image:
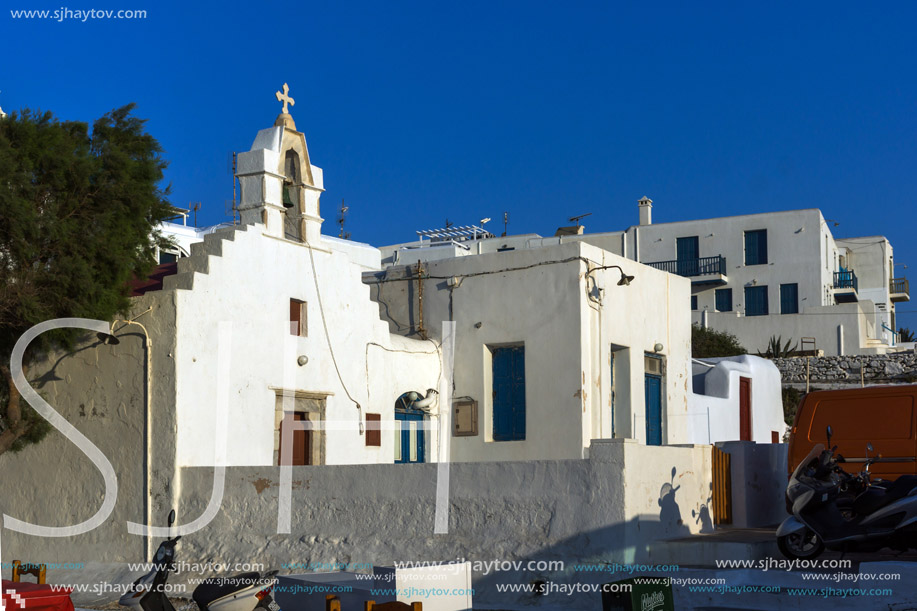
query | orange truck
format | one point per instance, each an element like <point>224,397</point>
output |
<point>881,415</point>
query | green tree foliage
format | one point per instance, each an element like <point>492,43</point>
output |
<point>905,335</point>
<point>78,218</point>
<point>709,343</point>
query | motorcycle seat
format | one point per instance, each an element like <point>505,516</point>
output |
<point>877,497</point>
<point>901,487</point>
<point>217,587</point>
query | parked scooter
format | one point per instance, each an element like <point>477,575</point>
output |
<point>242,592</point>
<point>839,511</point>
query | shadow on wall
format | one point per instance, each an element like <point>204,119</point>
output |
<point>590,557</point>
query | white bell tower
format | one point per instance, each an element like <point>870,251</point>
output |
<point>280,188</point>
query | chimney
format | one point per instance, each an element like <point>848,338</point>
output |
<point>646,210</point>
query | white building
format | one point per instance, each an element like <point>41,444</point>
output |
<point>775,274</point>
<point>756,276</point>
<point>736,398</point>
<point>551,350</point>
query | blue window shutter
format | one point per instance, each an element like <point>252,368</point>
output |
<point>724,300</point>
<point>508,393</point>
<point>789,298</point>
<point>756,247</point>
<point>756,301</point>
<point>519,393</point>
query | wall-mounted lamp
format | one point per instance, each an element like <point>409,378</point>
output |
<point>658,347</point>
<point>625,279</point>
<point>302,360</point>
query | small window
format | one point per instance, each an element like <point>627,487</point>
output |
<point>693,302</point>
<point>789,298</point>
<point>167,257</point>
<point>756,247</point>
<point>756,301</point>
<point>724,300</point>
<point>373,429</point>
<point>298,318</point>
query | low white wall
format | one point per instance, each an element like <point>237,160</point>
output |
<point>610,507</point>
<point>759,479</point>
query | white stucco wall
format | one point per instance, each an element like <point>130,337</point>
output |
<point>715,412</point>
<point>538,298</point>
<point>249,286</point>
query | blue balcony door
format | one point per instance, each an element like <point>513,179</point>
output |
<point>410,438</point>
<point>687,255</point>
<point>653,390</point>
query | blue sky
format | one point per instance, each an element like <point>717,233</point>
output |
<point>419,112</point>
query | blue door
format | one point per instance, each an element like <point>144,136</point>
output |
<point>509,393</point>
<point>687,255</point>
<point>653,389</point>
<point>410,440</point>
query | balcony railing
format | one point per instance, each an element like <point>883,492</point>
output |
<point>899,285</point>
<point>704,266</point>
<point>846,280</point>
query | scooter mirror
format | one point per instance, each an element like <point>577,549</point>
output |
<point>829,431</point>
<point>869,448</point>
<point>171,518</point>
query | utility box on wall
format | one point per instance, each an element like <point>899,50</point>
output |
<point>465,418</point>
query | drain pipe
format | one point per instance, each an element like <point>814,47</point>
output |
<point>148,416</point>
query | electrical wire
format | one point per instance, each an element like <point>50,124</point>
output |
<point>321,310</point>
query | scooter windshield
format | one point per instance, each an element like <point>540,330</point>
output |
<point>813,455</point>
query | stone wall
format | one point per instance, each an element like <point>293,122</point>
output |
<point>896,368</point>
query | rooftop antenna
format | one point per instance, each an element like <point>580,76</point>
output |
<point>505,222</point>
<point>195,206</point>
<point>448,223</point>
<point>576,219</point>
<point>484,222</point>
<point>344,235</point>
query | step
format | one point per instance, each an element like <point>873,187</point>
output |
<point>703,550</point>
<point>183,281</point>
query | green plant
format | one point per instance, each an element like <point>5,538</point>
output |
<point>906,335</point>
<point>777,349</point>
<point>709,343</point>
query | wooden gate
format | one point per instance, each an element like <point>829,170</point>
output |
<point>722,487</point>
